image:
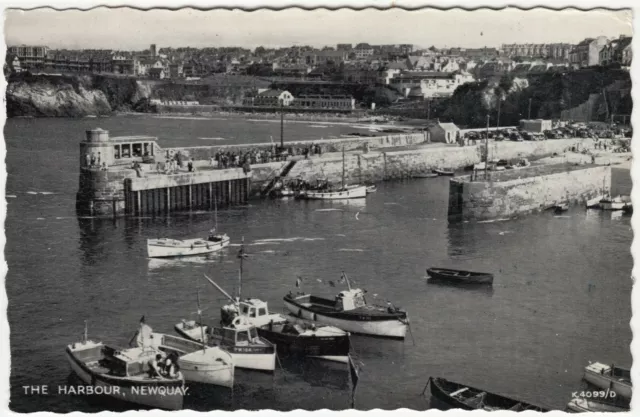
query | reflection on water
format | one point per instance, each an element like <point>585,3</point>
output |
<point>445,286</point>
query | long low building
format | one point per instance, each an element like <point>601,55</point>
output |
<point>325,102</point>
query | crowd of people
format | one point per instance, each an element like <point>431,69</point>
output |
<point>232,159</point>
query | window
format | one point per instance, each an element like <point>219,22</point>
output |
<point>137,149</point>
<point>126,151</point>
<point>116,152</point>
<point>252,312</point>
<point>242,337</point>
<point>245,309</point>
<point>262,312</point>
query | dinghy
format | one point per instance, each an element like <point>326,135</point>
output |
<point>371,189</point>
<point>582,405</point>
<point>560,208</point>
<point>609,377</point>
<point>426,175</point>
<point>349,311</point>
<point>459,276</point>
<point>125,374</point>
<point>198,362</point>
<point>465,397</point>
<point>594,203</point>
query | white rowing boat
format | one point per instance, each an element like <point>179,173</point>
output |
<point>164,248</point>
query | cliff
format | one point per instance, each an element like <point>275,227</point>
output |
<point>73,95</point>
<point>550,95</point>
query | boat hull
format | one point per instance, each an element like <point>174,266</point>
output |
<point>131,391</point>
<point>580,405</point>
<point>332,348</point>
<point>259,359</point>
<point>460,277</point>
<point>440,390</point>
<point>168,248</point>
<point>205,373</point>
<point>606,382</point>
<point>354,192</point>
<point>443,173</point>
<point>612,205</point>
<point>391,328</point>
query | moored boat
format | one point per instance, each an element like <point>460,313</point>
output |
<point>124,374</point>
<point>165,248</point>
<point>616,203</point>
<point>560,208</point>
<point>371,188</point>
<point>459,276</point>
<point>342,193</point>
<point>291,336</point>
<point>349,311</point>
<point>457,395</point>
<point>425,175</point>
<point>594,203</point>
<point>611,377</point>
<point>198,362</point>
<point>443,172</point>
<point>582,405</point>
<point>248,350</point>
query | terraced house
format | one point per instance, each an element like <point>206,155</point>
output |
<point>617,51</point>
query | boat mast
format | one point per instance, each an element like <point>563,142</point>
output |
<point>215,210</point>
<point>347,279</point>
<point>343,168</point>
<point>200,321</point>
<point>240,271</point>
<point>85,332</point>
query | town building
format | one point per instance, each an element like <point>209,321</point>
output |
<point>443,132</point>
<point>363,51</point>
<point>417,84</point>
<point>587,52</point>
<point>176,70</point>
<point>536,125</point>
<point>30,56</point>
<point>338,102</point>
<point>273,98</point>
<point>315,58</point>
<point>157,73</point>
<point>541,50</point>
<point>344,47</point>
<point>290,70</point>
<point>613,51</point>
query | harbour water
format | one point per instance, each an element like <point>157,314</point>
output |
<point>561,295</point>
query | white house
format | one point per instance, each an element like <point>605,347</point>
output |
<point>443,132</point>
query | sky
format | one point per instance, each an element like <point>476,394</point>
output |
<point>131,29</point>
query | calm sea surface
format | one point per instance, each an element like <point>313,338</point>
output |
<point>561,296</point>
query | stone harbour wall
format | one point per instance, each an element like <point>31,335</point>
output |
<point>533,191</point>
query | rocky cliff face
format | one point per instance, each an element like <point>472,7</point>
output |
<point>51,99</point>
<point>73,96</point>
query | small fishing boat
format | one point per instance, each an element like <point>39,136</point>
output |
<point>198,362</point>
<point>313,340</point>
<point>616,203</point>
<point>594,203</point>
<point>342,193</point>
<point>457,395</point>
<point>459,276</point>
<point>582,405</point>
<point>443,172</point>
<point>167,248</point>
<point>349,311</point>
<point>241,340</point>
<point>124,374</point>
<point>560,208</point>
<point>371,189</point>
<point>291,336</point>
<point>426,175</point>
<point>609,377</point>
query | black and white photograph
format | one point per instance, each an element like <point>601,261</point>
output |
<point>313,209</point>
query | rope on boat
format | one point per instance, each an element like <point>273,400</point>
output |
<point>425,387</point>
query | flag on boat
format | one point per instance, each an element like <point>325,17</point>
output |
<point>298,282</point>
<point>353,369</point>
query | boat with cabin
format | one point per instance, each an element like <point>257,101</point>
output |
<point>198,362</point>
<point>610,377</point>
<point>459,276</point>
<point>349,311</point>
<point>456,395</point>
<point>124,374</point>
<point>310,340</point>
<point>247,348</point>
<point>616,203</point>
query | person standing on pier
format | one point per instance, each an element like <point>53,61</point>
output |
<point>190,165</point>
